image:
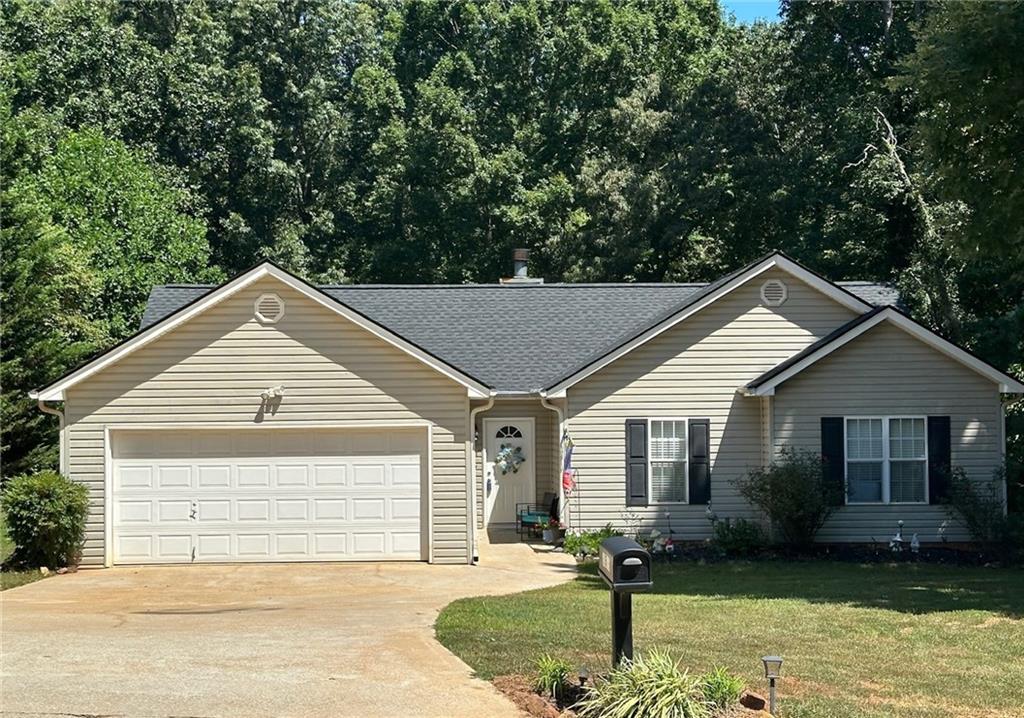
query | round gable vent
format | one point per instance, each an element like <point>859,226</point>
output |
<point>773,292</point>
<point>269,308</point>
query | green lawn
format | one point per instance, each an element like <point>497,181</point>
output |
<point>872,640</point>
<point>12,579</point>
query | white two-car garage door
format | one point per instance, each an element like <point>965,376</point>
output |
<point>268,495</point>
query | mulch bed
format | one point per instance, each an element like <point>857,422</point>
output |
<point>519,689</point>
<point>950,554</point>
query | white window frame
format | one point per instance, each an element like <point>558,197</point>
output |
<point>686,461</point>
<point>886,462</point>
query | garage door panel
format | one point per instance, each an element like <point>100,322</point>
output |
<point>292,475</point>
<point>368,475</point>
<point>404,509</point>
<point>174,477</point>
<point>209,510</point>
<point>135,547</point>
<point>213,477</point>
<point>253,475</point>
<point>174,546</point>
<point>292,509</point>
<point>213,546</point>
<point>253,510</point>
<point>329,475</point>
<point>175,509</point>
<point>133,511</point>
<point>135,477</point>
<point>254,545</point>
<point>405,475</point>
<point>368,509</point>
<point>331,544</point>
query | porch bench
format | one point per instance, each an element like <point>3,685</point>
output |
<point>531,519</point>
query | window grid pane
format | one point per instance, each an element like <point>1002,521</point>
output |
<point>864,481</point>
<point>863,439</point>
<point>906,481</point>
<point>668,441</point>
<point>668,481</point>
<point>906,438</point>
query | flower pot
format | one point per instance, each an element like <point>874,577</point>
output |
<point>549,535</point>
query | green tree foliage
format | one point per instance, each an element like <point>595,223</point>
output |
<point>648,140</point>
<point>85,236</point>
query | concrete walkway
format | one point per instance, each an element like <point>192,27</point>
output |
<point>254,640</point>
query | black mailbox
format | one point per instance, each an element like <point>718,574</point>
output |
<point>625,565</point>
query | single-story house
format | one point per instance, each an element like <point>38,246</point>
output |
<point>268,419</point>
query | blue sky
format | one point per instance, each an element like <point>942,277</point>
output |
<point>747,11</point>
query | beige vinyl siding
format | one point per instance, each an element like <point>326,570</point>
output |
<point>692,370</point>
<point>212,369</point>
<point>887,372</point>
<point>546,430</point>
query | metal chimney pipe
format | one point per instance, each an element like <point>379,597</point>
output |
<point>520,262</point>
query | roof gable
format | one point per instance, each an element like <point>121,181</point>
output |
<point>708,295</point>
<point>212,296</point>
<point>516,339</point>
<point>766,384</point>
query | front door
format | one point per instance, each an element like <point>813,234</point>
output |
<point>508,468</point>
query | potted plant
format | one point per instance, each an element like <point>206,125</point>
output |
<point>554,531</point>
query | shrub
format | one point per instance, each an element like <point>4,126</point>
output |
<point>553,676</point>
<point>795,495</point>
<point>45,518</point>
<point>652,686</point>
<point>739,537</point>
<point>979,505</point>
<point>721,688</point>
<point>587,543</point>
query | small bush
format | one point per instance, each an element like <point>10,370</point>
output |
<point>587,543</point>
<point>979,505</point>
<point>45,519</point>
<point>652,686</point>
<point>795,495</point>
<point>553,677</point>
<point>721,688</point>
<point>739,537</point>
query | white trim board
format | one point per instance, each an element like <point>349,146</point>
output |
<point>55,391</point>
<point>1007,384</point>
<point>775,261</point>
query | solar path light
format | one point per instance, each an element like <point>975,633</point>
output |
<point>772,671</point>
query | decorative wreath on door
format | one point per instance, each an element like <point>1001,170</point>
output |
<point>509,458</point>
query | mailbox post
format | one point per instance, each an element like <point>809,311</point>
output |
<point>626,567</point>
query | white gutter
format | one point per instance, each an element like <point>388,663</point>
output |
<point>561,451</point>
<point>60,436</point>
<point>472,474</point>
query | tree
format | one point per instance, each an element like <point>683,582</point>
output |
<point>967,73</point>
<point>85,237</point>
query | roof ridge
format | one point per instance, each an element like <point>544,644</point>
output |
<point>551,285</point>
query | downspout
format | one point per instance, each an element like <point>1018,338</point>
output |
<point>561,450</point>
<point>474,557</point>
<point>60,436</point>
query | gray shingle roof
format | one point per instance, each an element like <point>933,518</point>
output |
<point>514,338</point>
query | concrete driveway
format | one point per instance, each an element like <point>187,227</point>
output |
<point>254,640</point>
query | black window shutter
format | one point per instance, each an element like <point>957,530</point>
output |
<point>833,453</point>
<point>939,459</point>
<point>636,462</point>
<point>700,463</point>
